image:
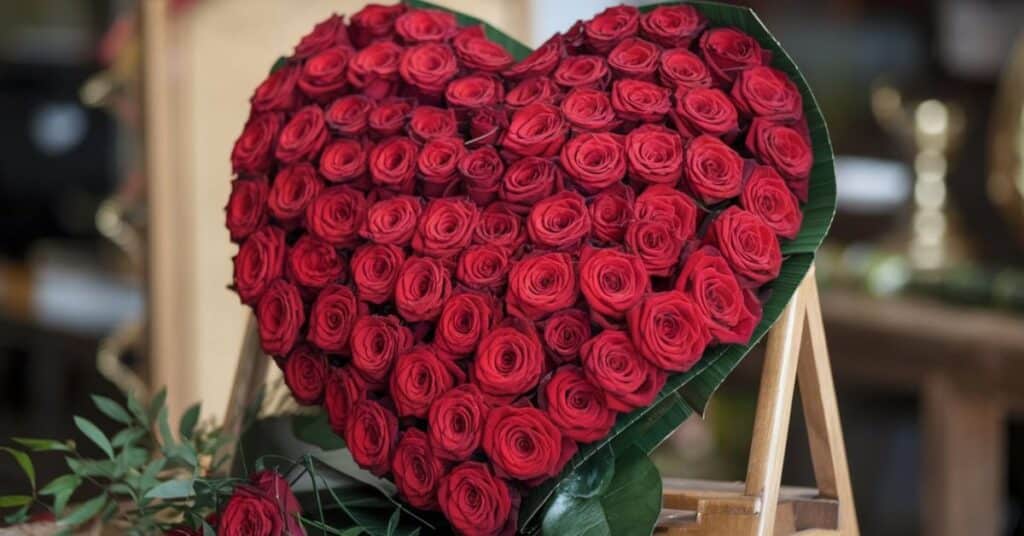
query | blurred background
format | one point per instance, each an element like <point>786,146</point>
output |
<point>116,122</point>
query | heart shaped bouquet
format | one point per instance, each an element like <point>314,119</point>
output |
<point>484,262</point>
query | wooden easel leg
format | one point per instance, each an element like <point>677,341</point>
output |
<point>250,376</point>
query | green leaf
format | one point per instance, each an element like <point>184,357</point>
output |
<point>208,530</point>
<point>393,522</point>
<point>61,483</point>
<point>316,430</point>
<point>60,501</point>
<point>166,437</point>
<point>128,436</point>
<point>25,463</point>
<point>281,62</point>
<point>87,468</point>
<point>173,489</point>
<point>12,501</point>
<point>19,516</point>
<point>187,426</point>
<point>42,445</point>
<point>95,435</point>
<point>137,410</point>
<point>83,513</point>
<point>156,405</point>
<point>592,478</point>
<point>352,531</point>
<point>112,409</point>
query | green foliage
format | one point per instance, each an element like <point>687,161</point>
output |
<point>316,430</point>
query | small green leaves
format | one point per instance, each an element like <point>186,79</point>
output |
<point>84,513</point>
<point>12,501</point>
<point>61,483</point>
<point>173,489</point>
<point>112,409</point>
<point>43,445</point>
<point>95,435</point>
<point>187,426</point>
<point>25,463</point>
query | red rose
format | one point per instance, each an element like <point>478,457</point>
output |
<point>483,267</point>
<point>540,62</point>
<point>535,130</point>
<point>541,284</point>
<point>767,195</point>
<point>324,75</point>
<point>302,137</point>
<point>247,207</point>
<point>611,26</point>
<point>668,205</point>
<point>705,111</point>
<point>656,244</point>
<point>260,261</point>
<point>767,93</point>
<point>576,406</point>
<point>280,315</point>
<point>428,67</point>
<point>509,362</point>
<point>475,91</point>
<point>730,312</point>
<point>524,444</point>
<point>376,343</point>
<point>417,471</point>
<point>278,93</point>
<point>499,226</point>
<point>305,373</point>
<point>636,100</point>
<point>481,170</point>
<point>250,512</point>
<point>253,151</point>
<point>475,501</point>
<point>336,215</point>
<point>477,52</point>
<point>582,71</point>
<point>422,289</point>
<point>331,318</point>
<point>612,283</point>
<point>668,329</point>
<point>274,486</point>
<point>655,155</point>
<point>530,179</point>
<point>392,221</point>
<point>437,163</point>
<point>748,245</point>
<point>430,122</point>
<point>681,68</point>
<point>374,22</point>
<point>728,51</point>
<point>785,149</point>
<point>419,377</point>
<point>348,115</point>
<point>589,110</point>
<point>374,69</point>
<point>388,117</point>
<point>634,58</point>
<point>293,189</point>
<point>343,160</point>
<point>426,25</point>
<point>612,363</point>
<point>393,164</point>
<point>672,26</point>
<point>313,263</point>
<point>595,160</point>
<point>445,228</point>
<point>343,390</point>
<point>610,212</point>
<point>536,89</point>
<point>487,125</point>
<point>564,334</point>
<point>326,34</point>
<point>559,222</point>
<point>466,317</point>
<point>374,271</point>
<point>714,171</point>
<point>456,422</point>
<point>370,434</point>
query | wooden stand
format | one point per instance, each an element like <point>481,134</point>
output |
<point>796,350</point>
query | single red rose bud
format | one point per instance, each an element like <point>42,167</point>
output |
<point>437,163</point>
<point>388,117</point>
<point>331,318</point>
<point>376,343</point>
<point>302,137</point>
<point>374,69</point>
<point>313,263</point>
<point>611,362</point>
<point>681,68</point>
<point>327,34</point>
<point>293,189</point>
<point>483,267</point>
<point>374,271</point>
<point>486,126</point>
<point>336,215</point>
<point>668,205</point>
<point>305,373</point>
<point>428,67</point>
<point>634,58</point>
<point>713,170</point>
<point>370,435</point>
<point>419,377</point>
<point>324,75</point>
<point>481,170</point>
<point>259,262</point>
<point>576,406</point>
<point>250,511</point>
<point>348,115</point>
<point>705,111</point>
<point>589,110</point>
<point>536,89</point>
<point>392,164</point>
<point>786,150</point>
<point>509,362</point>
<point>669,331</point>
<point>768,196</point>
<point>425,26</point>
<point>611,210</point>
<point>343,390</point>
<point>611,26</point>
<point>672,26</point>
<point>636,100</point>
<point>475,51</point>
<point>561,221</point>
<point>417,471</point>
<point>729,311</point>
<point>656,244</point>
<point>748,245</point>
<point>582,71</point>
<point>475,501</point>
<point>768,93</point>
<point>422,289</point>
<point>541,284</point>
<point>247,207</point>
<point>456,422</point>
<point>279,314</point>
<point>499,226</point>
<point>374,23</point>
<point>524,444</point>
<point>392,221</point>
<point>343,160</point>
<point>475,91</point>
<point>612,282</point>
<point>466,317</point>
<point>430,123</point>
<point>595,160</point>
<point>564,334</point>
<point>655,155</point>
<point>729,51</point>
<point>530,179</point>
<point>535,130</point>
<point>253,151</point>
<point>445,228</point>
<point>540,62</point>
<point>279,92</point>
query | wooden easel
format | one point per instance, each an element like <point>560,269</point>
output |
<point>760,507</point>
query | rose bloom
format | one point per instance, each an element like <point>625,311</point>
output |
<point>305,373</point>
<point>280,314</point>
<point>466,317</point>
<point>456,422</point>
<point>748,245</point>
<point>611,26</point>
<point>610,213</point>
<point>681,68</point>
<point>668,205</point>
<point>487,125</point>
<point>417,471</point>
<point>612,282</point>
<point>530,179</point>
<point>260,261</point>
<point>564,333</point>
<point>392,221</point>
<point>582,71</point>
<point>475,91</point>
<point>437,163</point>
<point>253,151</point>
<point>343,160</point>
<point>540,62</point>
<point>729,311</point>
<point>483,267</point>
<point>370,434</point>
<point>576,406</point>
<point>768,196</point>
<point>313,263</point>
<point>445,228</point>
<point>524,444</point>
<point>392,164</point>
<point>589,110</point>
<point>481,171</point>
<point>326,34</point>
<point>657,245</point>
<point>559,222</point>
<point>785,149</point>
<point>499,226</point>
<point>475,501</point>
<point>348,115</point>
<point>705,111</point>
<point>323,75</point>
<point>250,512</point>
<point>336,215</point>
<point>509,362</point>
<point>374,69</point>
<point>636,100</point>
<point>374,271</point>
<point>376,343</point>
<point>428,67</point>
<point>331,318</point>
<point>293,188</point>
<point>279,92</point>
<point>273,485</point>
<point>374,22</point>
<point>302,137</point>
<point>535,130</point>
<point>536,89</point>
<point>673,26</point>
<point>713,170</point>
<point>475,51</point>
<point>768,93</point>
<point>541,284</point>
<point>729,51</point>
<point>668,329</point>
<point>612,363</point>
<point>419,377</point>
<point>388,117</point>
<point>344,389</point>
<point>655,155</point>
<point>247,207</point>
<point>426,25</point>
<point>430,123</point>
<point>422,289</point>
<point>634,58</point>
<point>595,160</point>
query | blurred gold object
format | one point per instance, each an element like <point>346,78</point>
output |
<point>1006,144</point>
